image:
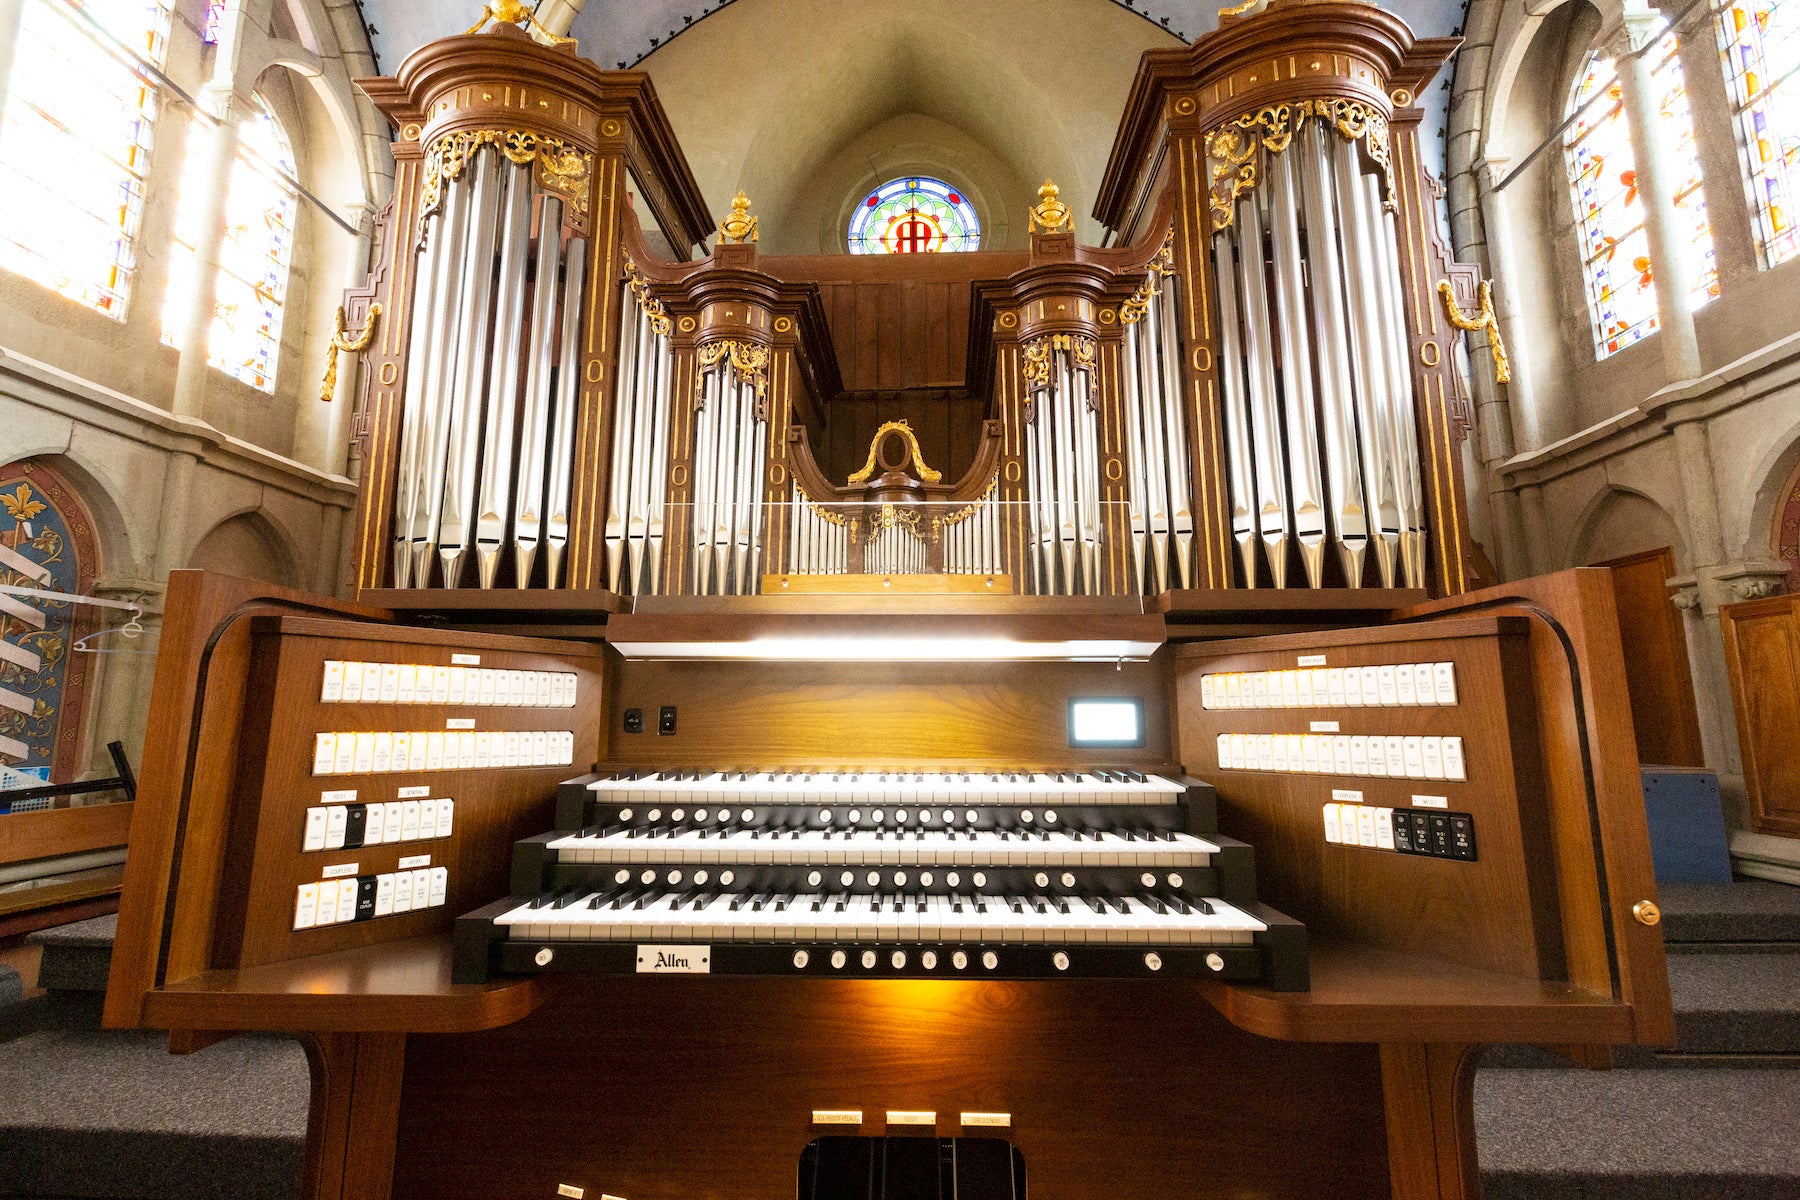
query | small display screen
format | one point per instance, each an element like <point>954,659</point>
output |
<point>1109,722</point>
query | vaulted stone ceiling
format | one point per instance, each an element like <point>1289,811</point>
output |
<point>808,103</point>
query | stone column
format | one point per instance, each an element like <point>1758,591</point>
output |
<point>556,16</point>
<point>10,13</point>
<point>1657,175</point>
<point>320,428</point>
<point>215,142</point>
<point>1498,406</point>
<point>1700,595</point>
<point>121,689</point>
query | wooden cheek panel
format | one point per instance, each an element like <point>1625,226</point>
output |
<point>1762,653</point>
<point>275,784</point>
<point>1499,912</point>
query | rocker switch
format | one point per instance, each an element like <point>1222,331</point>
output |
<point>665,721</point>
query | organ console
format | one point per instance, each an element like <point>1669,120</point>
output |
<point>1135,786</point>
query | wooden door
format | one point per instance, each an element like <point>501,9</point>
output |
<point>1762,652</point>
<point>1657,676</point>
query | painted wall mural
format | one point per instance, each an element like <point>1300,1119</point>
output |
<point>43,519</point>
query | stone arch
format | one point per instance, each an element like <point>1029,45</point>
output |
<point>1015,104</point>
<point>249,545</point>
<point>1774,526</point>
<point>1620,521</point>
<point>116,540</point>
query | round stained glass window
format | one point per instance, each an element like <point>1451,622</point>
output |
<point>915,214</point>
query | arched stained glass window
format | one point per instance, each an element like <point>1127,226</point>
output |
<point>75,144</point>
<point>1615,244</point>
<point>915,214</point>
<point>259,245</point>
<point>1760,41</point>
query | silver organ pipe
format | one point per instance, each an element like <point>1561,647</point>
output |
<point>1063,460</point>
<point>634,516</point>
<point>819,542</point>
<point>1323,447</point>
<point>624,442</point>
<point>728,467</point>
<point>425,481</point>
<point>435,239</point>
<point>567,395</point>
<point>1240,473</point>
<point>487,430</point>
<point>497,460</point>
<point>1337,395</point>
<point>1263,393</point>
<point>1406,445</point>
<point>535,416</point>
<point>1368,352</point>
<point>1164,305</point>
<point>1296,371</point>
<point>463,436</point>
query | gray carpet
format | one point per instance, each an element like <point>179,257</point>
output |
<point>1748,911</point>
<point>77,956</point>
<point>1638,1135</point>
<point>12,986</point>
<point>108,1114</point>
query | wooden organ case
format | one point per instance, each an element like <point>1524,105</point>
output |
<point>664,818</point>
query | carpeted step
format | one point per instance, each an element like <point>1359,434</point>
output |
<point>107,1113</point>
<point>1637,1135</point>
<point>1698,915</point>
<point>1736,1003</point>
<point>77,956</point>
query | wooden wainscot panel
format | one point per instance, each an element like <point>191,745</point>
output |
<point>1498,912</point>
<point>494,805</point>
<point>1762,653</point>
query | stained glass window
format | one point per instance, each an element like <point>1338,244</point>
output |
<point>75,145</point>
<point>259,244</point>
<point>215,15</point>
<point>1760,41</point>
<point>915,214</point>
<point>1615,244</point>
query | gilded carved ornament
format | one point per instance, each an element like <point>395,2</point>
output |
<point>1236,150</point>
<point>653,308</point>
<point>557,166</point>
<point>748,359</point>
<point>1484,320</point>
<point>1050,215</point>
<point>739,225</point>
<point>340,344</point>
<point>1134,308</point>
<point>1038,352</point>
<point>514,12</point>
<point>912,442</point>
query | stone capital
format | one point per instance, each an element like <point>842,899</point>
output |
<point>1708,589</point>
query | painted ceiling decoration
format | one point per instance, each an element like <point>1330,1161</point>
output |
<point>990,97</point>
<point>622,33</point>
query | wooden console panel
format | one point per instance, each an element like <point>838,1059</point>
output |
<point>672,1089</point>
<point>278,783</point>
<point>1498,912</point>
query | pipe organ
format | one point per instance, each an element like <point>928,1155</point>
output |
<point>1249,386</point>
<point>1168,671</point>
